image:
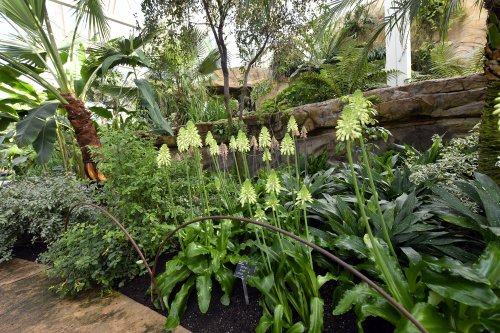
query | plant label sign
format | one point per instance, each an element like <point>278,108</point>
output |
<point>241,272</point>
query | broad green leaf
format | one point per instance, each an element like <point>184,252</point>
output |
<point>456,268</point>
<point>278,319</point>
<point>490,197</point>
<point>149,100</point>
<point>28,129</point>
<point>456,205</point>
<point>316,317</point>
<point>226,280</point>
<point>175,273</point>
<point>44,143</point>
<point>199,264</point>
<point>101,112</point>
<point>377,306</point>
<point>322,279</point>
<point>195,249</point>
<point>296,328</point>
<point>489,264</point>
<point>390,271</point>
<point>429,316</point>
<point>265,322</point>
<point>109,61</point>
<point>178,306</point>
<point>459,289</point>
<point>204,291</point>
<point>352,243</point>
<point>351,297</point>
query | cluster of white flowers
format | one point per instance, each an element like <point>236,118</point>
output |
<point>356,115</point>
<point>164,159</point>
<point>213,147</point>
<point>188,137</point>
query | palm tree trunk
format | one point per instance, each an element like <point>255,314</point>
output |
<point>85,132</point>
<point>489,136</point>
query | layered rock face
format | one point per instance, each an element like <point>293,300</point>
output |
<point>412,113</point>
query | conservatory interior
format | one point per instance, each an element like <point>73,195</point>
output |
<point>244,166</point>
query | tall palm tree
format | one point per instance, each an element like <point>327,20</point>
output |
<point>37,49</point>
<point>489,133</point>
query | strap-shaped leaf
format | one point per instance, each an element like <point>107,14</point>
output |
<point>149,100</point>
<point>178,306</point>
<point>428,316</point>
<point>459,289</point>
<point>204,291</point>
<point>44,143</point>
<point>316,317</point>
<point>278,319</point>
<point>28,129</point>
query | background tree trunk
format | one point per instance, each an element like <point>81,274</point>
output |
<point>225,74</point>
<point>85,132</point>
<point>489,136</point>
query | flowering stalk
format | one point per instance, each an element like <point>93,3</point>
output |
<point>287,149</point>
<point>303,198</point>
<point>273,188</point>
<point>399,294</point>
<point>249,197</point>
<point>233,146</point>
<point>375,196</point>
<point>164,160</point>
<point>243,146</point>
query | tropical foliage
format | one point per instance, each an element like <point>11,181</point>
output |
<point>424,225</point>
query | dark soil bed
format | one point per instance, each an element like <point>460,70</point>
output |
<point>238,317</point>
<point>29,251</point>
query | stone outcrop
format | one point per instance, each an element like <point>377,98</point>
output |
<point>412,113</point>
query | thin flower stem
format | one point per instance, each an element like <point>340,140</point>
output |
<point>375,195</point>
<point>264,253</point>
<point>245,165</point>
<point>398,294</point>
<point>294,194</point>
<point>277,223</point>
<point>237,167</point>
<point>171,199</point>
<point>190,195</point>
<point>307,236</point>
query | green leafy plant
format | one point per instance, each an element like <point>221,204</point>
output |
<point>91,254</point>
<point>37,206</point>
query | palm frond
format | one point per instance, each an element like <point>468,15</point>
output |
<point>28,15</point>
<point>91,13</point>
<point>209,63</point>
<point>25,70</point>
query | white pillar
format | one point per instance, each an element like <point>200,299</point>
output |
<point>397,48</point>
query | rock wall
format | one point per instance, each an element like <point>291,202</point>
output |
<point>412,113</point>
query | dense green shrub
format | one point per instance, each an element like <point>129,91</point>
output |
<point>38,206</point>
<point>98,253</point>
<point>90,254</point>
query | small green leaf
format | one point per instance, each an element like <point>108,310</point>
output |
<point>297,328</point>
<point>101,112</point>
